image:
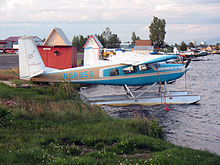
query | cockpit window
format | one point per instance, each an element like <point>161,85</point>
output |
<point>114,72</point>
<point>143,67</point>
<point>129,69</point>
<point>156,65</point>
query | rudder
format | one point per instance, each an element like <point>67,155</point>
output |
<point>30,61</point>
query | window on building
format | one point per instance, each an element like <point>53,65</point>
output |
<point>114,72</point>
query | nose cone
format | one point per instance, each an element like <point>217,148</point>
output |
<point>184,69</point>
<point>188,68</point>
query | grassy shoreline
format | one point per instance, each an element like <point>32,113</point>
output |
<point>50,125</point>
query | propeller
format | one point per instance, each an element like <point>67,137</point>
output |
<point>188,62</point>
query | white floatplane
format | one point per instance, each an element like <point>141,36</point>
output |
<point>124,69</point>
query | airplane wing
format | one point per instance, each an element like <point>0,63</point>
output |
<point>129,58</point>
<point>157,58</point>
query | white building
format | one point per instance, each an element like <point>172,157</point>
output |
<point>92,51</point>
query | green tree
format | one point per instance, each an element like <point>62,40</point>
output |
<point>167,49</point>
<point>75,42</point>
<point>217,46</point>
<point>183,46</point>
<point>113,42</point>
<point>101,39</point>
<point>157,32</point>
<point>108,39</point>
<point>191,45</point>
<point>79,41</point>
<point>134,38</point>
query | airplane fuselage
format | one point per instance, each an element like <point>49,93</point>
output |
<point>116,74</point>
<point>124,68</point>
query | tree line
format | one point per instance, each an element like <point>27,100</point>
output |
<point>110,40</point>
<point>183,46</point>
<point>107,39</point>
<point>157,36</point>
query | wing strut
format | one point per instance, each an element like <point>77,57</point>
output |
<point>146,90</point>
<point>128,91</point>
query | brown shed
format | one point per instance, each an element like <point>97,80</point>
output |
<point>143,46</point>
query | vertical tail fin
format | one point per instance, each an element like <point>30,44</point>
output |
<point>30,61</point>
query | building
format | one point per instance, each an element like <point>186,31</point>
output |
<point>10,44</point>
<point>143,46</point>
<point>58,57</point>
<point>57,52</point>
<point>92,51</point>
<point>14,41</point>
<point>126,46</point>
<point>57,37</point>
<point>4,45</point>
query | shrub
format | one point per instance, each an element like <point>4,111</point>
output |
<point>150,127</point>
<point>126,146</point>
<point>6,117</point>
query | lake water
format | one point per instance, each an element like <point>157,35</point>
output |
<point>196,126</point>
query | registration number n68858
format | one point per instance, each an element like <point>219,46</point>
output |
<point>76,75</point>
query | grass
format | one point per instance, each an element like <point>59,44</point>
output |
<point>50,125</point>
<point>9,74</point>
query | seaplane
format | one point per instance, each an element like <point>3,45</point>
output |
<point>123,69</point>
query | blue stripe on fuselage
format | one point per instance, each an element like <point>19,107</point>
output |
<point>166,72</point>
<point>136,81</point>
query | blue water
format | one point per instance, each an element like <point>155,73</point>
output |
<point>195,126</point>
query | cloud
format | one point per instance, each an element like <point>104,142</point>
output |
<point>73,11</point>
<point>15,24</point>
<point>125,16</point>
<point>185,32</point>
<point>205,1</point>
<point>123,11</point>
<point>186,12</point>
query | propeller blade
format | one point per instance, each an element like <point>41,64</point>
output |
<point>188,62</point>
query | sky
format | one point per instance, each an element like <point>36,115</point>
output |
<point>186,20</point>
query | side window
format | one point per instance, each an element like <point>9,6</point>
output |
<point>143,67</point>
<point>157,65</point>
<point>114,72</point>
<point>129,69</point>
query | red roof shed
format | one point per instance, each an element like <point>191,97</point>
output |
<point>143,43</point>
